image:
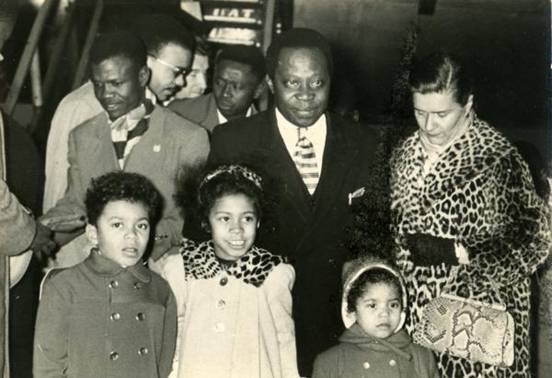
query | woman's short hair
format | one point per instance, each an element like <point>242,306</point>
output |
<point>440,72</point>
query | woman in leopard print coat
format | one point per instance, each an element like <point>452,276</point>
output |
<point>464,211</point>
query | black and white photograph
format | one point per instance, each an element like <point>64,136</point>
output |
<point>276,188</point>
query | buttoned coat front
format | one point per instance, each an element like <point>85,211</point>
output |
<point>171,143</point>
<point>97,319</point>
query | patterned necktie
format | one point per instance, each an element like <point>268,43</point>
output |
<point>305,161</point>
<point>127,131</point>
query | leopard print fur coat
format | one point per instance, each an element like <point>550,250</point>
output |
<point>480,193</point>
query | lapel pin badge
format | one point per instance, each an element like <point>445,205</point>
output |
<point>156,147</point>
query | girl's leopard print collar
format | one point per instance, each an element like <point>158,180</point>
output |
<point>200,262</point>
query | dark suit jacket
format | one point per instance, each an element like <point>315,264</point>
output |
<point>309,230</point>
<point>201,110</point>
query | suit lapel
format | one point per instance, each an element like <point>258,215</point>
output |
<point>272,145</point>
<point>104,149</point>
<point>147,153</point>
<point>211,118</point>
<point>340,155</point>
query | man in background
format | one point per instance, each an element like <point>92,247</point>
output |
<point>238,80</point>
<point>170,48</point>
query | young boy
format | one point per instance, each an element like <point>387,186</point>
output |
<point>109,316</point>
<point>374,343</point>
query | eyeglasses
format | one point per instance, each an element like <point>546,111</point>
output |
<point>175,69</point>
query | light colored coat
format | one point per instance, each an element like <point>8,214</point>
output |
<point>75,108</point>
<point>17,230</point>
<point>171,143</point>
<point>229,328</point>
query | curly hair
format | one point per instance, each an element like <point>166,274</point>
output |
<point>122,186</point>
<point>371,277</point>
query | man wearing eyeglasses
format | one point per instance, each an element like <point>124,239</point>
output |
<point>170,47</point>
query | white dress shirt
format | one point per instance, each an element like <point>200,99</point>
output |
<point>222,119</point>
<point>316,134</point>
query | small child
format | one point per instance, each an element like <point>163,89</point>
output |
<point>374,343</point>
<point>233,298</point>
<point>109,316</point>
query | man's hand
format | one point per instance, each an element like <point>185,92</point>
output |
<point>43,244</point>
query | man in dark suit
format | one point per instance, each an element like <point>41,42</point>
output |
<point>312,162</point>
<point>238,81</point>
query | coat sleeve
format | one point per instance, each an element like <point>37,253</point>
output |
<point>193,153</point>
<point>278,288</point>
<point>75,108</point>
<point>171,268</point>
<point>17,227</point>
<point>325,366</point>
<point>169,337</point>
<point>50,356</point>
<point>71,206</point>
<point>521,238</point>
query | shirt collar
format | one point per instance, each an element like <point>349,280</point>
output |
<point>151,96</point>
<point>283,123</point>
<point>222,119</point>
<point>107,267</point>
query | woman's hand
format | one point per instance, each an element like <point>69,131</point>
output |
<point>461,254</point>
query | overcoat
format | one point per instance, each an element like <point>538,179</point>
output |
<point>480,193</point>
<point>20,167</point>
<point>97,319</point>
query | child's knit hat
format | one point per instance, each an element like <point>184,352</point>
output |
<point>353,269</point>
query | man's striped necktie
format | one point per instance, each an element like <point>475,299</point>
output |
<point>305,161</point>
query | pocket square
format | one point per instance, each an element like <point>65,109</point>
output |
<point>356,194</point>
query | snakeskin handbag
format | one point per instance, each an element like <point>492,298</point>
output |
<point>469,329</point>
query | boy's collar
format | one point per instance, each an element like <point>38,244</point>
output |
<point>107,267</point>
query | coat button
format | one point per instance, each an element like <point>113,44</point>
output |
<point>366,365</point>
<point>219,327</point>
<point>140,316</point>
<point>115,316</point>
<point>392,363</point>
<point>114,284</point>
<point>221,304</point>
<point>113,356</point>
<point>143,351</point>
<point>137,285</point>
<point>223,281</point>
